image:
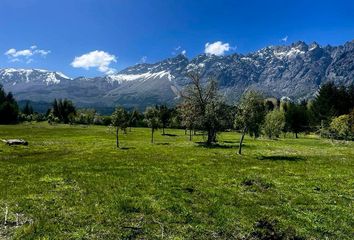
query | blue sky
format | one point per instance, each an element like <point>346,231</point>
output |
<point>109,35</point>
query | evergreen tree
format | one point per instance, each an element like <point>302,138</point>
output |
<point>8,108</point>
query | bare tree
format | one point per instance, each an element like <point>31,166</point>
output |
<point>206,104</point>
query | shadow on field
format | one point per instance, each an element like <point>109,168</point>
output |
<point>215,145</point>
<point>169,135</point>
<point>162,143</point>
<point>126,148</point>
<point>281,158</point>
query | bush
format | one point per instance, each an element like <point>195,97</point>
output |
<point>340,127</point>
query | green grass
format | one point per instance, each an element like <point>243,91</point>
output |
<point>72,183</point>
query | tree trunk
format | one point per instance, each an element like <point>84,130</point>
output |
<point>185,131</point>
<point>117,139</point>
<point>241,140</point>
<point>296,135</point>
<point>210,137</point>
<point>163,130</point>
<point>152,135</point>
<point>190,134</point>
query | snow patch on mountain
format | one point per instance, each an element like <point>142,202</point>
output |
<point>141,77</point>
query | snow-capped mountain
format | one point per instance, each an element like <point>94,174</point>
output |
<point>18,76</point>
<point>295,71</point>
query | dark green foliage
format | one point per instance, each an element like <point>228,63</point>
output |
<point>27,109</point>
<point>64,110</point>
<point>165,115</point>
<point>332,101</point>
<point>8,108</point>
<point>297,118</point>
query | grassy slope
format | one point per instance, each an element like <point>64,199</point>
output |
<point>71,182</point>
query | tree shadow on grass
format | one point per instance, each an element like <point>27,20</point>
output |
<point>162,143</point>
<point>126,148</point>
<point>169,135</point>
<point>215,145</point>
<point>281,158</point>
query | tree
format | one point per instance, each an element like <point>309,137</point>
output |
<point>120,120</point>
<point>8,108</point>
<point>250,115</point>
<point>133,118</point>
<point>274,123</point>
<point>331,101</point>
<point>64,110</point>
<point>27,109</point>
<point>164,114</point>
<point>297,119</point>
<point>206,102</point>
<point>152,118</point>
<point>188,116</point>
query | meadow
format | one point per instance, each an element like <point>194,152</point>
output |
<point>71,182</point>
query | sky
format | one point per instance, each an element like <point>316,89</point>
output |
<point>98,37</point>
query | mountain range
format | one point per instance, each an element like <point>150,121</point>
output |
<point>295,71</point>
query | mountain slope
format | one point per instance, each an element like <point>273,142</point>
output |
<point>294,71</point>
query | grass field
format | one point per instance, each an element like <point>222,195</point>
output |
<point>72,183</point>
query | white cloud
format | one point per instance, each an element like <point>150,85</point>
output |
<point>15,55</point>
<point>95,59</point>
<point>178,50</point>
<point>284,39</point>
<point>143,59</point>
<point>217,48</point>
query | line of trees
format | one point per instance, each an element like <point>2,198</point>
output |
<point>202,108</point>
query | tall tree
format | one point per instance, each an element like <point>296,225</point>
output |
<point>27,109</point>
<point>8,107</point>
<point>64,110</point>
<point>297,118</point>
<point>206,102</point>
<point>250,115</point>
<point>152,118</point>
<point>120,120</point>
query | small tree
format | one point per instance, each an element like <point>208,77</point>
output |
<point>133,118</point>
<point>188,116</point>
<point>164,114</point>
<point>120,120</point>
<point>274,123</point>
<point>152,118</point>
<point>250,115</point>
